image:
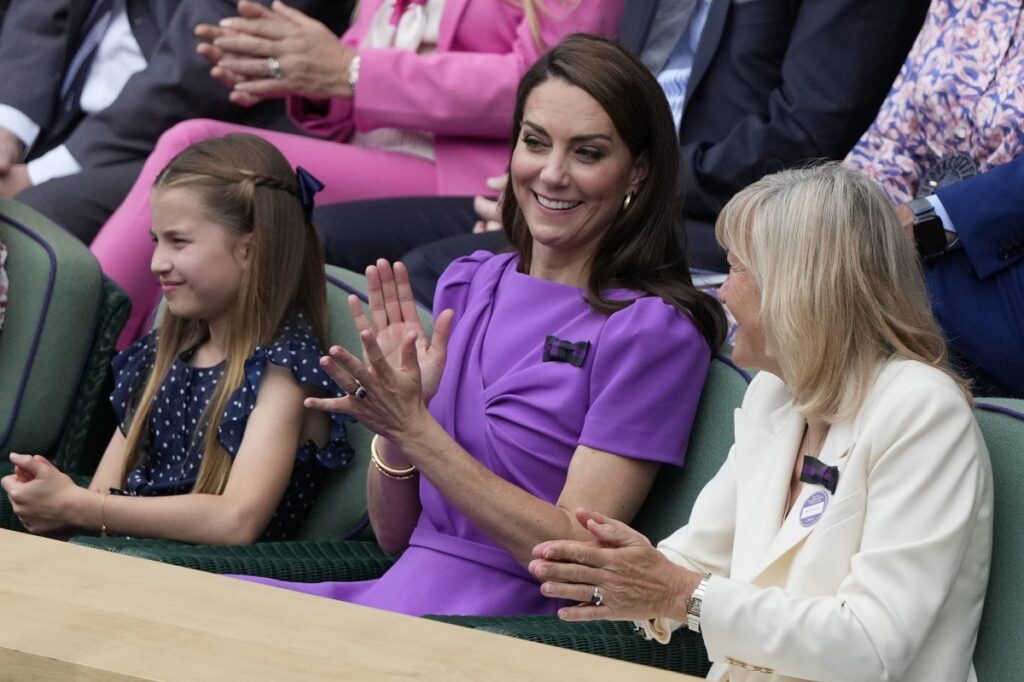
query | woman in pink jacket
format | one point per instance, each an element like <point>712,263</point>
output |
<point>415,99</point>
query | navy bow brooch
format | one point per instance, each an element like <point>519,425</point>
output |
<point>556,350</point>
<point>817,472</point>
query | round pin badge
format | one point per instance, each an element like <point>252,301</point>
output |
<point>814,507</point>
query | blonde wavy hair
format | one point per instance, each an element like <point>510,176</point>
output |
<point>842,289</point>
<point>245,185</point>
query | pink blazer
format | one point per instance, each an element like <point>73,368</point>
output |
<point>464,93</point>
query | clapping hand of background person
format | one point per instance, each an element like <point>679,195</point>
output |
<point>13,175</point>
<point>266,53</point>
<point>634,580</point>
<point>489,210</point>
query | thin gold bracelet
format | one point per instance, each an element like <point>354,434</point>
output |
<point>103,515</point>
<point>390,472</point>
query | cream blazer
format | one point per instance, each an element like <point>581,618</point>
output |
<point>885,579</point>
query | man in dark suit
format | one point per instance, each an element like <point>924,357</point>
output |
<point>976,282</point>
<point>772,84</point>
<point>46,50</point>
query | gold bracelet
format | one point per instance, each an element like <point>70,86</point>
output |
<point>103,515</point>
<point>390,472</point>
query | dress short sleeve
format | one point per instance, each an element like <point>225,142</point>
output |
<point>296,349</point>
<point>649,367</point>
<point>131,368</point>
<point>476,274</point>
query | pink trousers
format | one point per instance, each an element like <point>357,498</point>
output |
<point>124,247</point>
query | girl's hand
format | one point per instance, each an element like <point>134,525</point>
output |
<point>44,498</point>
<point>393,316</point>
<point>312,61</point>
<point>635,580</point>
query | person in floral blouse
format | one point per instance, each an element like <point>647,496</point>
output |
<point>946,146</point>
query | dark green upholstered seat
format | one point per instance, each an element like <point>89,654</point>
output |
<point>63,319</point>
<point>998,655</point>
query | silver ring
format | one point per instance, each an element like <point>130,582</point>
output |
<point>597,598</point>
<point>274,67</point>
<point>360,392</point>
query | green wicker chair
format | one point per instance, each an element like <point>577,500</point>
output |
<point>63,318</point>
<point>326,550</point>
<point>998,654</point>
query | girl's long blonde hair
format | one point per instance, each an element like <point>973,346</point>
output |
<point>842,288</point>
<point>245,185</point>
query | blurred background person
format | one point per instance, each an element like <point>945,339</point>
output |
<point>90,85</point>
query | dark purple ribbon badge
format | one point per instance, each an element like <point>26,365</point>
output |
<point>556,350</point>
<point>817,472</point>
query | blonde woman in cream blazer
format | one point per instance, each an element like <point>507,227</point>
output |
<point>876,571</point>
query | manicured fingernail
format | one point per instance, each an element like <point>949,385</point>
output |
<point>227,22</point>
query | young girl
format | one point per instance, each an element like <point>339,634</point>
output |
<point>211,403</point>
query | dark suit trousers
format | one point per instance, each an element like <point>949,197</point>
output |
<point>355,234</point>
<point>82,202</point>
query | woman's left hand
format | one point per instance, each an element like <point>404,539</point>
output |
<point>43,497</point>
<point>634,580</point>
<point>311,61</point>
<point>392,396</point>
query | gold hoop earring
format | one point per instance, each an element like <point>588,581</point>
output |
<point>628,201</point>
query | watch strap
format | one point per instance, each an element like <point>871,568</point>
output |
<point>695,603</point>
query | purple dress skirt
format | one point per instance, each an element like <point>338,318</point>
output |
<point>521,402</point>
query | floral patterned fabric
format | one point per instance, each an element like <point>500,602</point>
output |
<point>961,91</point>
<point>3,283</point>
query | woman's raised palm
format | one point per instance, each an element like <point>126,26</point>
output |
<point>393,314</point>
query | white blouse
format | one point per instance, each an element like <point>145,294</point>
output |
<point>412,25</point>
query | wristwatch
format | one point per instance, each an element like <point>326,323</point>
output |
<point>695,602</point>
<point>929,233</point>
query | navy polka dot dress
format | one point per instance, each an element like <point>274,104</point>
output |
<point>176,430</point>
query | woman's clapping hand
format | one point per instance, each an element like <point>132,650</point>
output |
<point>401,367</point>
<point>635,581</point>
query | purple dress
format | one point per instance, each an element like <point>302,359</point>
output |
<point>634,393</point>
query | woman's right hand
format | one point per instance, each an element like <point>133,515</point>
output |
<point>635,580</point>
<point>393,314</point>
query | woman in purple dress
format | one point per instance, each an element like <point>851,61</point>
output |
<point>572,366</point>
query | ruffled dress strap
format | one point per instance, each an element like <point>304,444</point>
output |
<point>297,349</point>
<point>131,369</point>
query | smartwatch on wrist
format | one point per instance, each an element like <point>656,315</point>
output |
<point>929,233</point>
<point>695,602</point>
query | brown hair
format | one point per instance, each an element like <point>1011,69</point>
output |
<point>245,185</point>
<point>639,250</point>
<point>842,289</point>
